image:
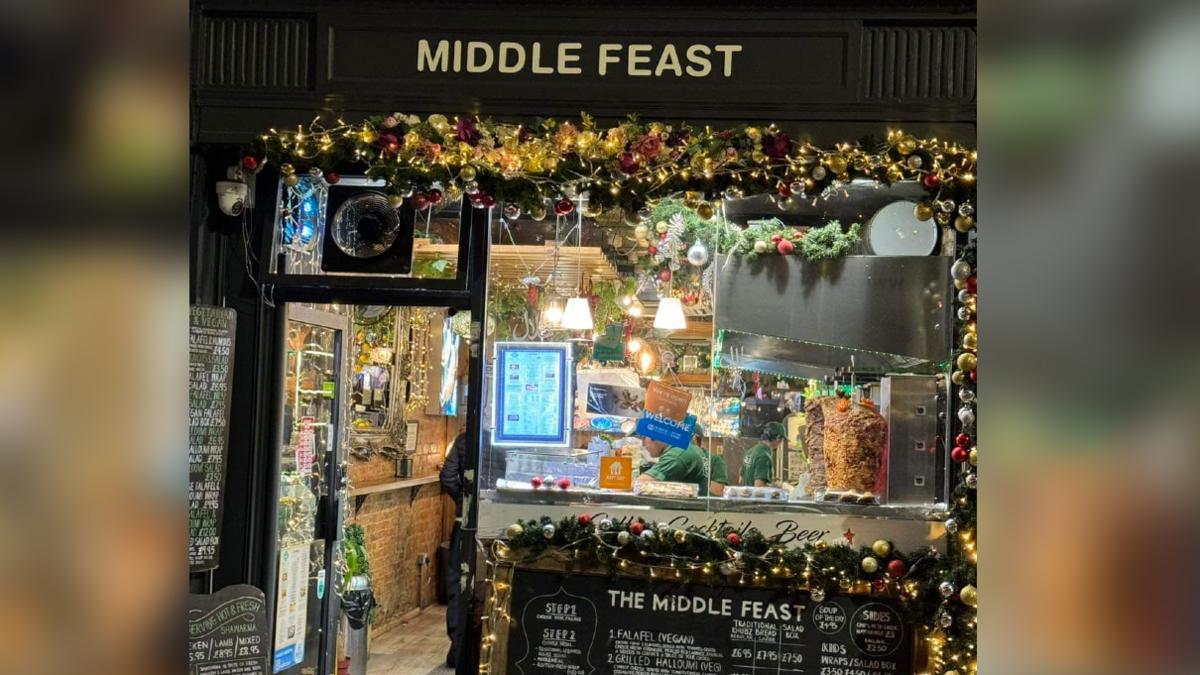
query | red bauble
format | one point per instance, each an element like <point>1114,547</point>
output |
<point>419,201</point>
<point>333,177</point>
<point>776,238</point>
<point>879,585</point>
<point>974,376</point>
<point>536,482</point>
<point>488,201</point>
<point>584,519</point>
<point>563,483</point>
<point>476,198</point>
<point>652,249</point>
<point>785,247</point>
<point>665,275</point>
<point>662,237</point>
<point>962,440</point>
<point>784,190</point>
<point>636,529</point>
<point>249,162</point>
<point>897,569</point>
<point>960,454</point>
<point>563,207</point>
<point>932,180</point>
<point>435,196</point>
<point>733,538</point>
<point>972,284</point>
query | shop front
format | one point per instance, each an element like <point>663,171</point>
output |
<point>710,346</point>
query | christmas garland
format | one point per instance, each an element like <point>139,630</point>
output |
<point>631,166</point>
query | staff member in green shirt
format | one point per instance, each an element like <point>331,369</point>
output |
<point>758,468</point>
<point>687,465</point>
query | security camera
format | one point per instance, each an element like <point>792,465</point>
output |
<point>231,197</point>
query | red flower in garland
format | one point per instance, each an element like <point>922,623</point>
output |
<point>647,146</point>
<point>466,131</point>
<point>389,143</point>
<point>777,146</point>
<point>627,163</point>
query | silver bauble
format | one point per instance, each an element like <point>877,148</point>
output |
<point>946,205</point>
<point>728,569</point>
<point>966,395</point>
<point>623,538</point>
<point>964,295</point>
<point>796,187</point>
<point>698,254</point>
<point>315,172</point>
<point>915,162</point>
<point>648,535</point>
<point>406,191</point>
<point>512,211</point>
<point>548,531</point>
<point>818,594</point>
<point>732,192</point>
<point>960,270</point>
<point>818,172</point>
<point>952,526</point>
<point>876,161</point>
<point>644,213</point>
<point>946,589</point>
<point>471,187</point>
<point>966,415</point>
<point>605,525</point>
<point>972,480</point>
<point>945,620</point>
<point>964,314</point>
<point>966,209</point>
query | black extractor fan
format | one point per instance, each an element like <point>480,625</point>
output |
<point>366,234</point>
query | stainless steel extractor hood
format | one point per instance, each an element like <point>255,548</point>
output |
<point>803,319</point>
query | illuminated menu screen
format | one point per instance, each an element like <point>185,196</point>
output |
<point>532,394</point>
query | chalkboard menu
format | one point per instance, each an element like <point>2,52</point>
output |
<point>580,625</point>
<point>228,633</point>
<point>210,347</point>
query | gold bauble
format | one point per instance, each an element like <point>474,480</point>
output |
<point>969,595</point>
<point>923,211</point>
<point>514,530</point>
<point>958,377</point>
<point>641,231</point>
<point>705,211</point>
<point>860,162</point>
<point>467,173</point>
<point>537,212</point>
<point>395,201</point>
<point>906,145</point>
<point>369,135</point>
<point>661,227</point>
<point>291,180</point>
<point>964,223</point>
<point>591,210</point>
<point>452,193</point>
<point>760,246</point>
<point>970,341</point>
<point>287,169</point>
<point>502,551</point>
<point>882,548</point>
<point>681,536</point>
<point>960,284</point>
<point>942,218</point>
<point>753,133</point>
<point>974,457</point>
<point>821,546</point>
<point>895,174</point>
<point>690,200</point>
<point>967,361</point>
<point>837,164</point>
<point>870,565</point>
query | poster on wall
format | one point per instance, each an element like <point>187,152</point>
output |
<point>590,624</point>
<point>210,371</point>
<point>532,399</point>
<point>228,633</point>
<point>291,606</point>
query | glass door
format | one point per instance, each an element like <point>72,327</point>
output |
<point>309,516</point>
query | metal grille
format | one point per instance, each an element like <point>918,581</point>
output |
<point>257,52</point>
<point>919,63</point>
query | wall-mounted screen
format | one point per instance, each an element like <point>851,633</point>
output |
<point>448,389</point>
<point>532,400</point>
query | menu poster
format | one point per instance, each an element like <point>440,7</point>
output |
<point>210,368</point>
<point>532,401</point>
<point>228,633</point>
<point>581,624</point>
<point>291,606</point>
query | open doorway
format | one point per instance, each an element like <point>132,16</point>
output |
<point>373,399</point>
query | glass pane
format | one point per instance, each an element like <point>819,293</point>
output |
<point>309,416</point>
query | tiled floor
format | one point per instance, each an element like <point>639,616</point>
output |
<point>414,648</point>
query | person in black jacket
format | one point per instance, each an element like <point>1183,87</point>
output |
<point>452,482</point>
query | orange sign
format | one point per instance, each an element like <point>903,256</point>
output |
<point>616,473</point>
<point>669,402</point>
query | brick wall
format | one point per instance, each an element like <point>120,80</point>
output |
<point>399,525</point>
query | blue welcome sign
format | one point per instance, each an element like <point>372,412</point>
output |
<point>672,432</point>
